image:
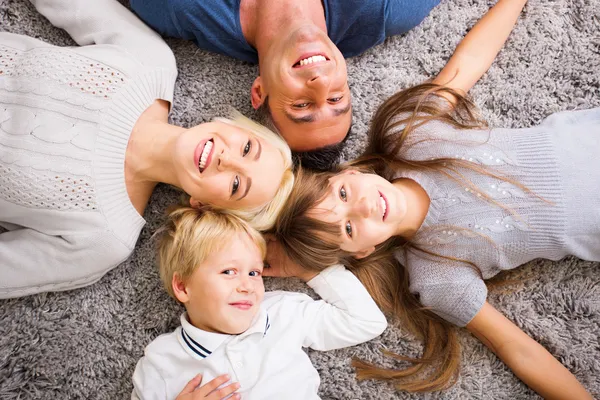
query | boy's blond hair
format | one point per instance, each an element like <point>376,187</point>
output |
<point>190,235</point>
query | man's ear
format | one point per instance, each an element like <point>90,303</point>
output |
<point>257,95</point>
<point>179,289</point>
<point>195,203</point>
<point>364,253</point>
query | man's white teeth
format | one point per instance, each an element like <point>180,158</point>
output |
<point>312,59</point>
<point>383,205</point>
<point>207,148</point>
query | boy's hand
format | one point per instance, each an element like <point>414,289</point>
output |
<point>192,391</point>
<point>279,265</point>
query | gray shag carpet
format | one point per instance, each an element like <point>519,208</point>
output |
<point>84,344</point>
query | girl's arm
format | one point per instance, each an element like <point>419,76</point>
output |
<point>531,362</point>
<point>476,52</point>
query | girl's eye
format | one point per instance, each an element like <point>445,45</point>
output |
<point>228,272</point>
<point>247,149</point>
<point>236,185</point>
<point>301,105</point>
<point>335,99</point>
<point>349,229</point>
<point>343,193</point>
<point>255,273</point>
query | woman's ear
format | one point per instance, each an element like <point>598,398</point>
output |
<point>195,203</point>
<point>351,171</point>
<point>364,253</point>
<point>256,93</point>
<point>179,289</point>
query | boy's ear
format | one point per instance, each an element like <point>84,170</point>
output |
<point>364,253</point>
<point>195,203</point>
<point>256,93</point>
<point>179,289</point>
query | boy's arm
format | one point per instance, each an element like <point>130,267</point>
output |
<point>346,315</point>
<point>147,382</point>
<point>531,362</point>
<point>107,22</point>
<point>476,52</point>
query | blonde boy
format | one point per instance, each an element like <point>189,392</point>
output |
<point>212,263</point>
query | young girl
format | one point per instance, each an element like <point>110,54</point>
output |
<point>85,138</point>
<point>455,204</point>
<point>212,263</point>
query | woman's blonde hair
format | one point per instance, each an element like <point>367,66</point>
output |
<point>263,218</point>
<point>190,235</point>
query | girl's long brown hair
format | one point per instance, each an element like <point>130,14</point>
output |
<point>312,243</point>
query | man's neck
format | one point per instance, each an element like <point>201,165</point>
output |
<point>264,20</point>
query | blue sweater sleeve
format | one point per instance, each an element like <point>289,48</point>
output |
<point>403,15</point>
<point>214,25</point>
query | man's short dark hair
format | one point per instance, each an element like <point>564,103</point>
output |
<point>322,159</point>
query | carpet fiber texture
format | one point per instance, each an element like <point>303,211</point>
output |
<point>84,344</point>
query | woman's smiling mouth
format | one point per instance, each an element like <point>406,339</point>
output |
<point>203,154</point>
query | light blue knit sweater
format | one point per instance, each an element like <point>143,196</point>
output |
<point>558,160</point>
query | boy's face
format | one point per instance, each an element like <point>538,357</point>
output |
<point>224,293</point>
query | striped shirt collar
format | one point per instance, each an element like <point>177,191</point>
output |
<point>202,343</point>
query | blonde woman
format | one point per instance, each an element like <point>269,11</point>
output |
<point>85,138</point>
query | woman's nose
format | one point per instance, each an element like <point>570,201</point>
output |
<point>363,208</point>
<point>227,161</point>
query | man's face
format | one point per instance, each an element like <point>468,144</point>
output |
<point>304,76</point>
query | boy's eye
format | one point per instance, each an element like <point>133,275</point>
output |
<point>236,185</point>
<point>343,193</point>
<point>255,273</point>
<point>349,229</point>
<point>228,272</point>
<point>247,149</point>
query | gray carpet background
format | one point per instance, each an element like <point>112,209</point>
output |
<point>84,344</point>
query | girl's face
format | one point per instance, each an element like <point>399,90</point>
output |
<point>367,208</point>
<point>226,166</point>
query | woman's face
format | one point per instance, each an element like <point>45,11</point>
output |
<point>226,166</point>
<point>367,208</point>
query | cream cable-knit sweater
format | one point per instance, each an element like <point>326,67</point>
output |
<point>558,160</point>
<point>66,114</point>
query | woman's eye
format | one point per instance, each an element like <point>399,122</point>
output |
<point>228,272</point>
<point>335,99</point>
<point>255,273</point>
<point>247,149</point>
<point>349,229</point>
<point>301,105</point>
<point>343,194</point>
<point>236,185</point>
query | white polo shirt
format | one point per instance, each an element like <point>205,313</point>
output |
<point>267,360</point>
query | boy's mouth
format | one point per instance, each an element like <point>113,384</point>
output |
<point>242,305</point>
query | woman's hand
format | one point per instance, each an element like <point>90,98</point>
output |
<point>278,264</point>
<point>193,391</point>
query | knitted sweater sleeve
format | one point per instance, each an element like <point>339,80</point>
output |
<point>452,290</point>
<point>32,262</point>
<point>107,22</point>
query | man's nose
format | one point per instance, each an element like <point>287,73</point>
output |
<point>319,82</point>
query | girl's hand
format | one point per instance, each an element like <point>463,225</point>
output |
<point>531,362</point>
<point>278,264</point>
<point>193,391</point>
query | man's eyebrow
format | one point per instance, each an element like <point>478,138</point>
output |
<point>311,117</point>
<point>257,155</point>
<point>248,184</point>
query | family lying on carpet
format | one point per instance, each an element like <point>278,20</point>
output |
<point>437,203</point>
